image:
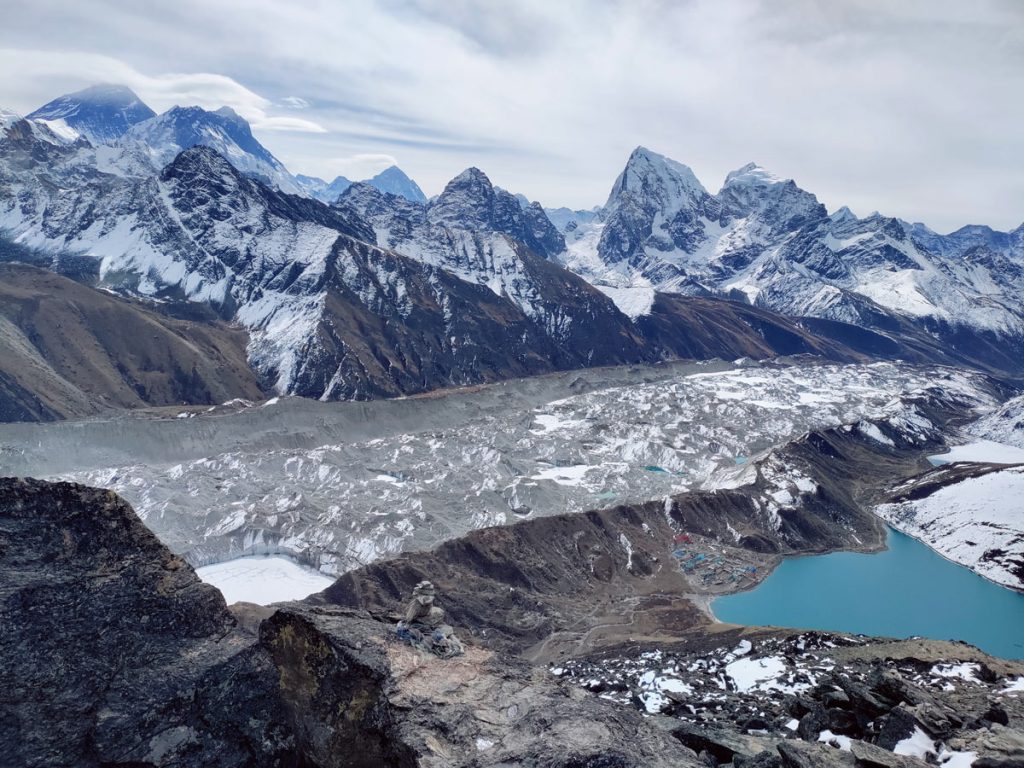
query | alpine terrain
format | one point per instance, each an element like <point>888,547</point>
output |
<point>473,471</point>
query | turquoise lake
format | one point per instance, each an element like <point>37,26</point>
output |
<point>904,591</point>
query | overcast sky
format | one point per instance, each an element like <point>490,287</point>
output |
<point>911,108</point>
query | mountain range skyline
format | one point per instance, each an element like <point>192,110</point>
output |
<point>899,109</point>
<point>104,99</point>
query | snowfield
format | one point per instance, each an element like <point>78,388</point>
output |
<point>978,522</point>
<point>985,451</point>
<point>1005,425</point>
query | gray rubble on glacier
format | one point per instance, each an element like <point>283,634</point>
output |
<point>348,499</point>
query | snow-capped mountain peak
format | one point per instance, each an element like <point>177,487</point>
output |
<point>652,176</point>
<point>7,119</point>
<point>842,215</point>
<point>101,113</point>
<point>394,181</point>
<point>466,200</point>
<point>753,174</point>
<point>223,130</point>
<point>391,180</point>
<point>780,203</point>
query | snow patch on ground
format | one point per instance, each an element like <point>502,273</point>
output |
<point>634,301</point>
<point>986,451</point>
<point>263,580</point>
<point>919,744</point>
<point>977,522</point>
<point>762,674</point>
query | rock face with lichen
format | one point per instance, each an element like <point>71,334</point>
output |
<point>112,651</point>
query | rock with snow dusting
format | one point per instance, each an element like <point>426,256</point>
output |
<point>1004,425</point>
<point>814,698</point>
<point>180,128</point>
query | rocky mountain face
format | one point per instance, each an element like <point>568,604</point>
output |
<point>763,240</point>
<point>64,352</point>
<point>329,314</point>
<point>165,136</point>
<point>382,295</point>
<point>113,651</point>
<point>483,236</point>
<point>101,113</point>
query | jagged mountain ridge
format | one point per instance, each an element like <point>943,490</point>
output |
<point>329,314</point>
<point>180,128</point>
<point>481,234</point>
<point>764,240</point>
<point>392,180</point>
<point>460,293</point>
<point>331,317</point>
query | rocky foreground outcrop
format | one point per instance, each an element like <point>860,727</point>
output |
<point>787,698</point>
<point>112,652</point>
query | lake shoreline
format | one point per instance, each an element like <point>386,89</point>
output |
<point>949,601</point>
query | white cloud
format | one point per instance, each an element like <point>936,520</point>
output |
<point>295,102</point>
<point>161,92</point>
<point>361,166</point>
<point>292,124</point>
<point>903,107</point>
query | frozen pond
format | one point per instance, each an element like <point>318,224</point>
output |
<point>981,451</point>
<point>263,579</point>
<point>905,591</point>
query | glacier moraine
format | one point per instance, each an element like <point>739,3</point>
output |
<point>297,478</point>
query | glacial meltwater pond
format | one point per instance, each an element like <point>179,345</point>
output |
<point>904,591</point>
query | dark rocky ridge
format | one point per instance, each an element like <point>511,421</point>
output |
<point>113,651</point>
<point>67,350</point>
